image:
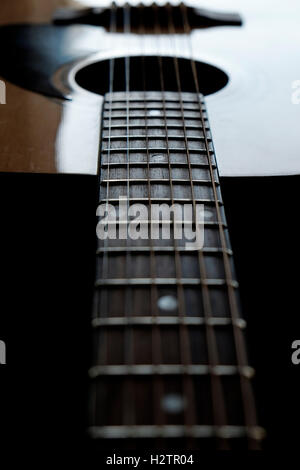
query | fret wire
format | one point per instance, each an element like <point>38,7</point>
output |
<point>166,109</point>
<point>186,97</point>
<point>144,107</point>
<point>156,180</point>
<point>141,116</point>
<point>156,150</point>
<point>246,389</point>
<point>164,199</point>
<point>188,107</point>
<point>153,126</point>
<point>153,136</point>
<point>159,249</point>
<point>185,352</point>
<point>176,431</point>
<point>218,399</point>
<point>161,281</point>
<point>186,370</point>
<point>155,164</point>
<point>152,96</point>
<point>167,320</point>
<point>160,222</point>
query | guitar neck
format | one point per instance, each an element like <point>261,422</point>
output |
<point>169,356</point>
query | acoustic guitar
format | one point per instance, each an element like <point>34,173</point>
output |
<point>158,104</point>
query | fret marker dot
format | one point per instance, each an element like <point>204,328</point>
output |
<point>153,112</point>
<point>173,403</point>
<point>208,214</point>
<point>167,302</point>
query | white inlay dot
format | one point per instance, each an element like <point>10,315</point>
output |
<point>154,112</point>
<point>208,214</point>
<point>167,302</point>
<point>173,403</point>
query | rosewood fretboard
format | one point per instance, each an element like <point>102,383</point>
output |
<point>169,363</point>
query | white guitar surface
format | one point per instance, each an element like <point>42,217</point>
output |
<point>254,119</point>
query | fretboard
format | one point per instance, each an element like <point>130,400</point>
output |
<point>169,356</point>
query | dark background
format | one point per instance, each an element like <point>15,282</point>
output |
<point>47,256</point>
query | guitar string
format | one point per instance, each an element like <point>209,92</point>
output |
<point>197,87</point>
<point>246,389</point>
<point>129,411</point>
<point>218,399</point>
<point>102,343</point>
<point>105,260</point>
<point>156,344</point>
<point>189,407</point>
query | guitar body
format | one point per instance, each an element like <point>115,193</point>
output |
<point>57,80</point>
<point>47,60</point>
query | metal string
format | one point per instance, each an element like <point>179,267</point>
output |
<point>218,400</point>
<point>188,390</point>
<point>128,398</point>
<point>104,301</point>
<point>156,334</point>
<point>246,389</point>
<point>250,414</point>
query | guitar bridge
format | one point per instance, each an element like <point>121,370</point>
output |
<point>147,16</point>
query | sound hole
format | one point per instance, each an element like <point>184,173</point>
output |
<point>145,74</point>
